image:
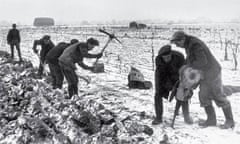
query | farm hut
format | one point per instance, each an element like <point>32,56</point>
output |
<point>133,25</point>
<point>142,26</point>
<point>136,25</point>
<point>43,21</point>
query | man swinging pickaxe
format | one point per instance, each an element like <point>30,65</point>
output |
<point>99,67</point>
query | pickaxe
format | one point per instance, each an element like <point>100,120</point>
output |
<point>111,36</point>
<point>177,106</point>
<point>178,103</point>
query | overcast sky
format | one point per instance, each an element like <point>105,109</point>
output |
<point>105,10</point>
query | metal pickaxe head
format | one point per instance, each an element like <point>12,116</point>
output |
<point>111,36</point>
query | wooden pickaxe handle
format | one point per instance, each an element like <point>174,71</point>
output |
<point>105,46</point>
<point>112,36</point>
<point>177,106</point>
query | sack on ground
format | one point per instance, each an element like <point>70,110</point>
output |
<point>136,80</point>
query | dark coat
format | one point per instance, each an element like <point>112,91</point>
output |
<point>53,54</point>
<point>45,48</point>
<point>200,57</point>
<point>75,54</point>
<point>13,36</point>
<point>167,74</point>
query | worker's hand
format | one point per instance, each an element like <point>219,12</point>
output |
<point>99,55</point>
<point>188,95</point>
<point>157,94</point>
<point>174,91</point>
<point>91,69</point>
<point>35,51</point>
<point>111,36</point>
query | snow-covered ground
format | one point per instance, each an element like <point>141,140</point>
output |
<point>110,88</point>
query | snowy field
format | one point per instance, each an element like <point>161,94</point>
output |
<point>138,48</point>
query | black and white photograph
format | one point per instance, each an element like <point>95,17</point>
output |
<point>119,72</point>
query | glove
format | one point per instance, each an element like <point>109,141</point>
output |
<point>173,91</point>
<point>111,36</point>
<point>168,85</point>
<point>189,95</point>
<point>35,51</point>
<point>91,69</point>
<point>99,55</point>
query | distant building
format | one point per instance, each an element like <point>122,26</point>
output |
<point>43,21</point>
<point>142,26</point>
<point>133,25</point>
<point>136,25</point>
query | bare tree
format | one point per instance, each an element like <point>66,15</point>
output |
<point>226,49</point>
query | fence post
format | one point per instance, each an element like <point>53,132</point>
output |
<point>153,56</point>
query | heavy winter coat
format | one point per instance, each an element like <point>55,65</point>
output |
<point>45,48</point>
<point>75,54</point>
<point>199,57</point>
<point>167,74</point>
<point>13,36</point>
<point>53,54</point>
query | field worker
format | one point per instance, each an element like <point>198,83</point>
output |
<point>75,54</point>
<point>46,44</point>
<point>52,60</point>
<point>168,63</point>
<point>14,39</point>
<point>199,57</point>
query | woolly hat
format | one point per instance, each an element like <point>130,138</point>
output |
<point>46,37</point>
<point>73,41</point>
<point>93,41</point>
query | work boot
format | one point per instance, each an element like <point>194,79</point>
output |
<point>186,115</point>
<point>211,117</point>
<point>229,123</point>
<point>75,89</point>
<point>39,75</point>
<point>54,86</point>
<point>156,121</point>
<point>70,91</point>
<point>20,60</point>
<point>158,105</point>
<point>59,86</point>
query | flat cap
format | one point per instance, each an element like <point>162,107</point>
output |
<point>46,37</point>
<point>93,41</point>
<point>165,50</point>
<point>178,35</point>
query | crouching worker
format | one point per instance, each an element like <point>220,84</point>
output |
<point>75,54</point>
<point>168,64</point>
<point>52,60</point>
<point>46,44</point>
